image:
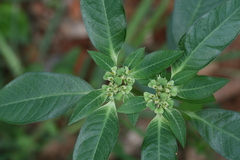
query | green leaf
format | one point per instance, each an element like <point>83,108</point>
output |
<point>159,142</point>
<point>198,101</point>
<point>133,118</point>
<point>106,24</point>
<point>176,124</point>
<point>185,13</point>
<point>183,77</point>
<point>38,96</point>
<point>133,105</point>
<point>209,36</point>
<point>201,87</point>
<point>154,63</point>
<point>221,129</point>
<point>102,60</point>
<point>98,134</point>
<point>134,58</point>
<point>87,105</point>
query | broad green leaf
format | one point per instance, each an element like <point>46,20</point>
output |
<point>221,129</point>
<point>134,58</point>
<point>183,76</point>
<point>209,36</point>
<point>176,124</point>
<point>185,13</point>
<point>198,101</point>
<point>38,96</point>
<point>133,118</point>
<point>98,134</point>
<point>155,63</point>
<point>102,60</point>
<point>87,105</point>
<point>159,142</point>
<point>105,23</point>
<point>191,106</point>
<point>133,105</point>
<point>200,87</point>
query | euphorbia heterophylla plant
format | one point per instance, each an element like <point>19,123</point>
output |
<point>39,96</point>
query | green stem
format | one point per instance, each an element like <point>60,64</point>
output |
<point>10,57</point>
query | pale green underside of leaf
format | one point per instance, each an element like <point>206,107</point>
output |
<point>133,105</point>
<point>134,58</point>
<point>209,36</point>
<point>104,61</point>
<point>159,142</point>
<point>98,134</point>
<point>87,105</point>
<point>154,63</point>
<point>185,13</point>
<point>105,23</point>
<point>176,124</point>
<point>221,129</point>
<point>200,87</point>
<point>38,96</point>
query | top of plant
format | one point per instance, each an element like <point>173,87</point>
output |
<point>38,96</point>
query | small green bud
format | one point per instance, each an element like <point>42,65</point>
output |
<point>110,78</point>
<point>155,87</point>
<point>104,87</point>
<point>174,91</point>
<point>118,96</point>
<point>115,90</point>
<point>170,83</point>
<point>171,103</point>
<point>118,80</point>
<point>160,88</point>
<point>167,90</point>
<point>106,75</point>
<point>109,89</point>
<point>126,70</point>
<point>164,96</point>
<point>159,110</point>
<point>146,96</point>
<point>128,90</point>
<point>152,96</point>
<point>162,81</point>
<point>152,83</point>
<point>114,69</point>
<point>165,104</point>
<point>121,71</point>
<point>151,105</point>
<point>123,88</point>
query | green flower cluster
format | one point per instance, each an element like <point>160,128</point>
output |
<point>120,82</point>
<point>162,99</point>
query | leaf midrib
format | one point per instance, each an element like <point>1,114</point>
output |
<point>200,87</point>
<point>90,102</point>
<point>104,126</point>
<point>149,66</point>
<point>42,97</point>
<point>108,30</point>
<point>104,62</point>
<point>178,126</point>
<point>189,56</point>
<point>214,126</point>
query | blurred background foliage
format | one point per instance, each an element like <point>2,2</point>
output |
<point>49,35</point>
